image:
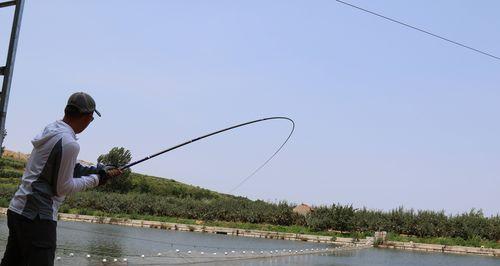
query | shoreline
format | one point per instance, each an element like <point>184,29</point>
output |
<point>340,241</point>
<point>367,242</point>
<point>436,248</point>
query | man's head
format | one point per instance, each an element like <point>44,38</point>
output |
<point>79,111</point>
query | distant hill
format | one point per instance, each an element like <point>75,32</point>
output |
<point>12,165</point>
<point>15,155</point>
<point>156,197</point>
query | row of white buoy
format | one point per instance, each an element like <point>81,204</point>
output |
<point>226,253</point>
<point>88,256</point>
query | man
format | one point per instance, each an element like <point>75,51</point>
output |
<point>51,174</point>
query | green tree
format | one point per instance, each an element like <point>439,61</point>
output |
<point>320,219</point>
<point>342,217</point>
<point>117,156</point>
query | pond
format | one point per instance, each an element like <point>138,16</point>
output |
<point>90,244</point>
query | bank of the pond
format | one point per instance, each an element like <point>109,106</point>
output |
<point>342,241</point>
<point>440,248</point>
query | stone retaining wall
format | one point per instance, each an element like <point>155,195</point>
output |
<point>441,248</point>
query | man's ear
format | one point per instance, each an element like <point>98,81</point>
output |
<point>88,117</point>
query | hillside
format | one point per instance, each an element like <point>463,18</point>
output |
<point>12,166</point>
<point>15,155</point>
<point>155,196</point>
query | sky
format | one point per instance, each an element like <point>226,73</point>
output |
<point>385,116</point>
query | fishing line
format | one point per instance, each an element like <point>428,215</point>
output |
<point>221,131</point>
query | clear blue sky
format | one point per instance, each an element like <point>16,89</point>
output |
<point>386,116</point>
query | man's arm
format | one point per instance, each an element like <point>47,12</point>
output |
<point>66,184</point>
<point>81,170</point>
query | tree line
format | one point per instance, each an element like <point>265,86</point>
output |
<point>145,195</point>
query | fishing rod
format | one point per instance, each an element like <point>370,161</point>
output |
<point>221,131</point>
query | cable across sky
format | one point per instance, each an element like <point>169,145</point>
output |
<point>421,30</point>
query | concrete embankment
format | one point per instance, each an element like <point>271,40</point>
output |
<point>441,248</point>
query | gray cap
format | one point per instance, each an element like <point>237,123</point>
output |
<point>83,103</point>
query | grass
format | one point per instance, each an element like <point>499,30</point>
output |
<point>9,181</point>
<point>6,162</point>
<point>474,242</point>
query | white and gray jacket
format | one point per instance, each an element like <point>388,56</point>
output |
<point>51,173</point>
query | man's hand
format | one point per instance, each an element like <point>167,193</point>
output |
<point>114,172</point>
<point>107,172</point>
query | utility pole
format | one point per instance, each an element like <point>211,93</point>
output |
<point>7,70</point>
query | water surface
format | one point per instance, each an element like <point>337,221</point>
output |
<point>110,242</point>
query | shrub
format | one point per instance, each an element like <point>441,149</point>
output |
<point>117,157</point>
<point>6,162</point>
<point>10,173</point>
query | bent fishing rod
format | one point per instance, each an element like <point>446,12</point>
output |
<point>221,131</point>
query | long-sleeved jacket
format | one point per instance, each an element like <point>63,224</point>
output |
<point>51,173</point>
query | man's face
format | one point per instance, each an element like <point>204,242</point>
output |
<point>84,122</point>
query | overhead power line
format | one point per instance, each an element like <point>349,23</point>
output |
<point>419,29</point>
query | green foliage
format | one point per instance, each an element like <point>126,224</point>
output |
<point>336,217</point>
<point>10,173</point>
<point>7,191</point>
<point>221,209</point>
<point>320,219</point>
<point>11,181</point>
<point>4,203</point>
<point>6,162</point>
<point>475,241</point>
<point>117,157</point>
<point>169,188</point>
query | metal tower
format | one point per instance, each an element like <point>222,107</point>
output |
<point>6,71</point>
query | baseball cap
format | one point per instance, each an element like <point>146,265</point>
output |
<point>83,102</point>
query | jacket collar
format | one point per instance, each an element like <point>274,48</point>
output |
<point>69,128</point>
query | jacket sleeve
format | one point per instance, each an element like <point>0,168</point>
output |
<point>81,170</point>
<point>66,184</point>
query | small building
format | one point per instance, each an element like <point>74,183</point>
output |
<point>302,209</point>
